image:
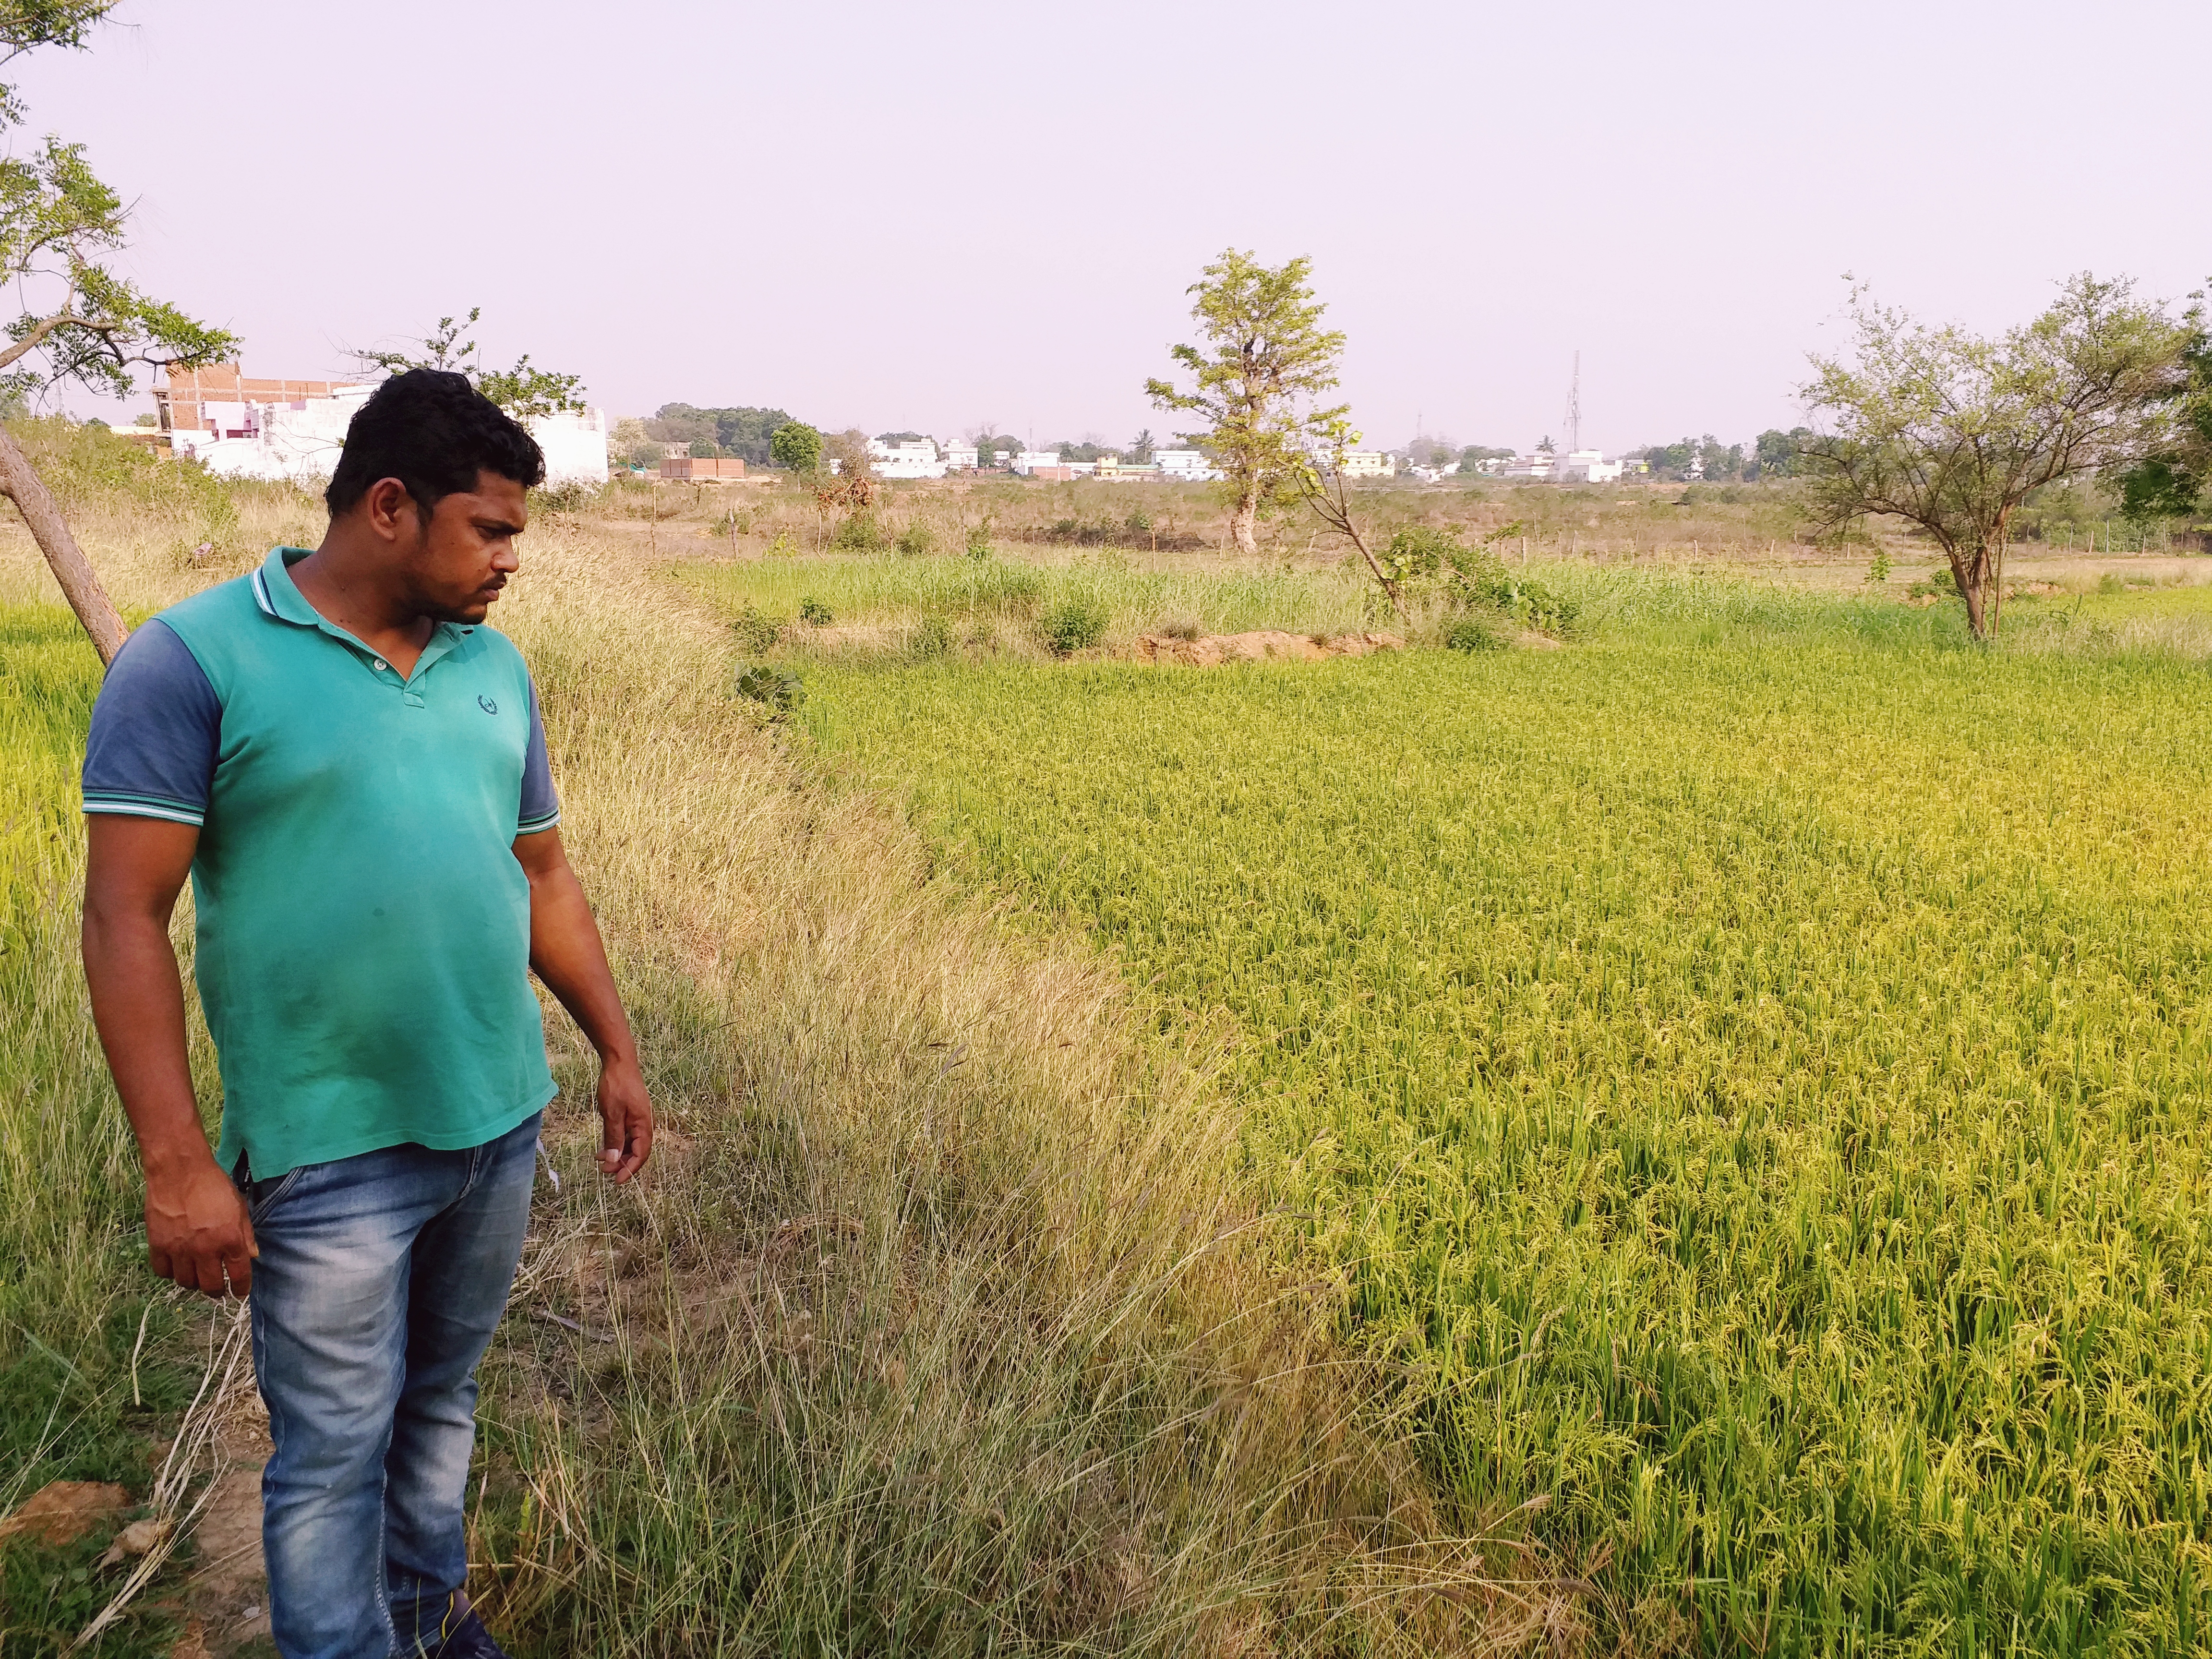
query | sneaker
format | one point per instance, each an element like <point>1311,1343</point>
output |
<point>469,1639</point>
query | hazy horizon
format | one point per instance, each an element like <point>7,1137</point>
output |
<point>890,223</point>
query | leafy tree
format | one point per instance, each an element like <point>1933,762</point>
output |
<point>1953,432</point>
<point>796,447</point>
<point>2173,478</point>
<point>1774,451</point>
<point>523,392</point>
<point>704,449</point>
<point>1265,361</point>
<point>80,322</point>
<point>895,439</point>
<point>1717,461</point>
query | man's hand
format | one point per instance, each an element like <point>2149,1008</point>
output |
<point>626,1139</point>
<point>199,1231</point>
<point>566,952</point>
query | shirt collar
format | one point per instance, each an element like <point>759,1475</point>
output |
<point>276,594</point>
<point>279,596</point>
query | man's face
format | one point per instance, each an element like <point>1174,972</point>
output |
<point>466,550</point>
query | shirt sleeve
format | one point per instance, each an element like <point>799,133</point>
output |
<point>157,729</point>
<point>541,807</point>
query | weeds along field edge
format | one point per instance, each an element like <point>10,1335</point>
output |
<point>1758,1093</point>
<point>945,1324</point>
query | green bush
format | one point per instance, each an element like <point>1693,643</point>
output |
<point>1074,625</point>
<point>931,637</point>
<point>917,541</point>
<point>757,631</point>
<point>860,534</point>
<point>779,690</point>
<point>1474,633</point>
<point>812,612</point>
<point>979,542</point>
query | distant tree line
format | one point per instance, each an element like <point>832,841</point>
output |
<point>736,433</point>
<point>1772,455</point>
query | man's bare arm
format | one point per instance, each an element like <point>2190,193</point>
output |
<point>566,952</point>
<point>198,1230</point>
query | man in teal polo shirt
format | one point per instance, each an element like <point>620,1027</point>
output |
<point>352,769</point>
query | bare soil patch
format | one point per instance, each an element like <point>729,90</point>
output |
<point>1261,645</point>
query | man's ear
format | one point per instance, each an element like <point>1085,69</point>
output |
<point>394,514</point>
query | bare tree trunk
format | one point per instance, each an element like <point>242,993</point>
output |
<point>80,585</point>
<point>1971,576</point>
<point>1244,516</point>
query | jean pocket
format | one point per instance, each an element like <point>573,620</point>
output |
<point>262,1195</point>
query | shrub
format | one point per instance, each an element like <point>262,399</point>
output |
<point>860,534</point>
<point>917,541</point>
<point>1180,627</point>
<point>979,540</point>
<point>1937,583</point>
<point>783,547</point>
<point>1074,625</point>
<point>1420,552</point>
<point>931,637</point>
<point>1879,570</point>
<point>1474,633</point>
<point>2107,583</point>
<point>779,690</point>
<point>571,497</point>
<point>812,610</point>
<point>757,631</point>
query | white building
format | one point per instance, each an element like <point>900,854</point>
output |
<point>1031,459</point>
<point>915,458</point>
<point>1184,467</point>
<point>1586,467</point>
<point>300,438</point>
<point>961,458</point>
<point>1368,464</point>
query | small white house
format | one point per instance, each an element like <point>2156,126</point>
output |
<point>961,458</point>
<point>1184,467</point>
<point>1587,466</point>
<point>302,439</point>
<point>1031,459</point>
<point>915,457</point>
<point>1368,464</point>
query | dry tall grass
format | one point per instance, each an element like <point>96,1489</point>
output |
<point>946,1321</point>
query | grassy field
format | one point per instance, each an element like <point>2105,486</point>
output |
<point>1752,1069</point>
<point>946,1323</point>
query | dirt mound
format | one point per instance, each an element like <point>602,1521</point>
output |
<point>1262,644</point>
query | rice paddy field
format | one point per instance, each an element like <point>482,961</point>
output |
<point>1750,1068</point>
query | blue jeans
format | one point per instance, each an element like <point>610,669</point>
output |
<point>380,1281</point>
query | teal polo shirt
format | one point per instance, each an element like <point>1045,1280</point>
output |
<point>363,925</point>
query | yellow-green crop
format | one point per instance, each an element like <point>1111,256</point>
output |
<point>1758,1092</point>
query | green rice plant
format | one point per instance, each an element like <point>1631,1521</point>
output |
<point>1751,1071</point>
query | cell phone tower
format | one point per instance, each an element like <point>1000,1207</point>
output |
<point>1575,407</point>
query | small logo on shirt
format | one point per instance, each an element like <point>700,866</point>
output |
<point>488,705</point>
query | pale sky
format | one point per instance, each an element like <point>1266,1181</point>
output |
<point>900,216</point>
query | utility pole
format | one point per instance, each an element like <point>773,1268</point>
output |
<point>1575,407</point>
